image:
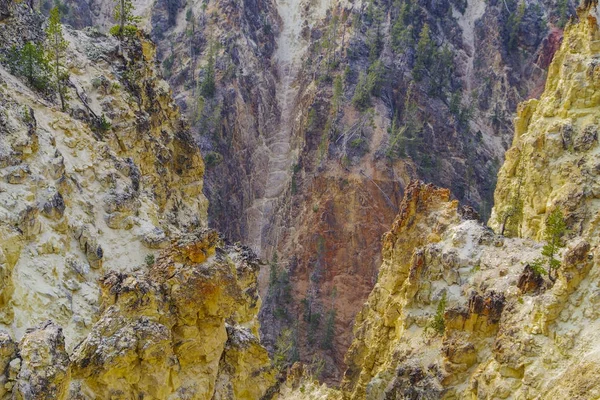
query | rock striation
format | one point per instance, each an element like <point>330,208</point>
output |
<point>459,311</point>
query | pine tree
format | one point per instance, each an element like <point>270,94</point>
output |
<point>362,95</point>
<point>442,70</point>
<point>327,342</point>
<point>208,86</point>
<point>57,46</point>
<point>511,217</point>
<point>555,229</point>
<point>31,62</point>
<point>424,53</point>
<point>514,26</point>
<point>563,12</point>
<point>126,20</point>
<point>402,28</point>
<point>338,91</point>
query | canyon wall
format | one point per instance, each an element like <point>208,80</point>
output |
<point>459,311</point>
<point>322,112</point>
<point>112,286</point>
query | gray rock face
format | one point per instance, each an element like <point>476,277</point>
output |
<point>5,10</point>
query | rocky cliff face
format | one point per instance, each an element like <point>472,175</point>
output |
<point>153,337</point>
<point>318,114</point>
<point>78,200</point>
<point>377,113</point>
<point>559,133</point>
<point>103,231</point>
<point>459,311</point>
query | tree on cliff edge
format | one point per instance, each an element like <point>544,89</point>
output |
<point>555,229</point>
<point>127,22</point>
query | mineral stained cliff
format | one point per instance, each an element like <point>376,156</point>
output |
<point>112,287</point>
<point>300,164</point>
<point>458,310</point>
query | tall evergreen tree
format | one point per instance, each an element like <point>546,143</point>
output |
<point>57,47</point>
<point>555,229</point>
<point>31,62</point>
<point>208,86</point>
<point>424,53</point>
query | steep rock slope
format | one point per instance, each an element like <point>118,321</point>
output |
<point>88,198</point>
<point>154,338</point>
<point>77,200</point>
<point>290,153</point>
<point>558,133</point>
<point>458,311</point>
<point>369,126</point>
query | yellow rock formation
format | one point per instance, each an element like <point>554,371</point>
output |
<point>553,161</point>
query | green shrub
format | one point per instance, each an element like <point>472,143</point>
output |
<point>212,159</point>
<point>104,124</point>
<point>31,62</point>
<point>555,229</point>
<point>128,31</point>
<point>149,260</point>
<point>125,18</point>
<point>437,323</point>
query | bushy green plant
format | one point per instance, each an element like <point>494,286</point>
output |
<point>126,20</point>
<point>149,260</point>
<point>103,124</point>
<point>437,323</point>
<point>212,159</point>
<point>31,62</point>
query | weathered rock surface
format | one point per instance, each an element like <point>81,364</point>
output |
<point>185,329</point>
<point>102,230</point>
<point>78,198</point>
<point>277,147</point>
<point>553,161</point>
<point>458,311</point>
<point>356,161</point>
